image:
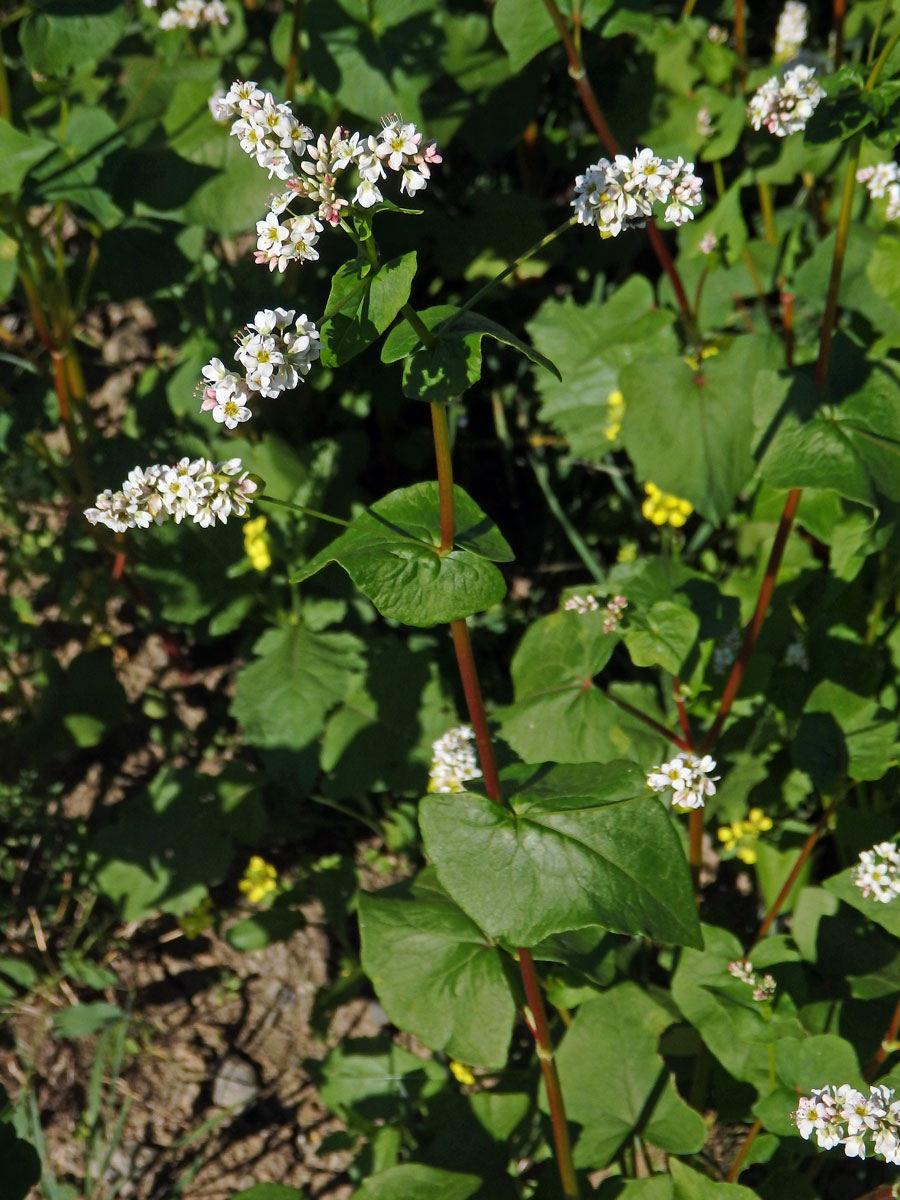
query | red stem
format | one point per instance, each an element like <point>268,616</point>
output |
<point>883,1051</point>
<point>468,673</point>
<point>779,900</point>
<point>762,603</point>
<point>748,1141</point>
<point>609,140</point>
<point>441,432</point>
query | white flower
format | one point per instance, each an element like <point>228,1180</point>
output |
<point>790,33</point>
<point>453,760</point>
<point>582,604</point>
<point>189,488</point>
<point>877,874</point>
<point>705,125</point>
<point>785,108</point>
<point>845,1117</point>
<point>688,776</point>
<point>763,985</point>
<point>620,195</point>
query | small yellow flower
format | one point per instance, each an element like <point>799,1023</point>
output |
<point>740,837</point>
<point>259,879</point>
<point>662,509</point>
<point>627,552</point>
<point>256,543</point>
<point>615,409</point>
<point>705,352</point>
<point>460,1072</point>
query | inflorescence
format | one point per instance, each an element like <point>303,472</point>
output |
<point>191,14</point>
<point>877,874</point>
<point>842,1116</point>
<point>194,488</point>
<point>453,760</point>
<point>790,33</point>
<point>276,351</point>
<point>311,167</point>
<point>883,179</point>
<point>784,108</point>
<point>689,778</point>
<point>621,194</point>
<point>763,985</point>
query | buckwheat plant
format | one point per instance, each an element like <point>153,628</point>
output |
<point>564,883</point>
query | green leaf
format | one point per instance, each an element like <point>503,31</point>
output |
<point>433,969</point>
<point>21,1162</point>
<point>413,1181</point>
<point>445,369</point>
<point>261,930</point>
<point>595,342</point>
<point>283,698</point>
<point>852,448</point>
<point>362,305</point>
<point>844,110</point>
<point>844,735</point>
<point>692,1185</point>
<point>559,714</point>
<point>391,553</point>
<point>614,1038</point>
<point>81,1020</point>
<point>60,34</point>
<point>662,636</point>
<point>579,845</point>
<point>376,1079</point>
<point>690,432</point>
<point>735,1030</point>
<point>815,1061</point>
<point>524,29</point>
<point>885,915</point>
<point>18,154</point>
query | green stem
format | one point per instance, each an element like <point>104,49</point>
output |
<point>426,337</point>
<point>579,545</point>
<point>768,212</point>
<point>307,512</point>
<point>290,73</point>
<point>513,266</point>
<point>876,32</point>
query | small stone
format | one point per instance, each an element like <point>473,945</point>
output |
<point>236,1084</point>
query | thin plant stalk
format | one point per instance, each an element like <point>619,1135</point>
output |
<point>307,512</point>
<point>888,1044</point>
<point>609,140</point>
<point>536,1015</point>
<point>805,851</point>
<point>290,71</point>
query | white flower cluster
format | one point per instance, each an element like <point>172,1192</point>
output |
<point>613,614</point>
<point>883,178</point>
<point>582,604</point>
<point>453,760</point>
<point>708,242</point>
<point>689,778</point>
<point>275,358</point>
<point>763,985</point>
<point>784,108</point>
<point>877,874</point>
<point>271,133</point>
<point>620,195</point>
<point>790,33</point>
<point>195,488</point>
<point>191,14</point>
<point>842,1116</point>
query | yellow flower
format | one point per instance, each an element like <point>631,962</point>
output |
<point>460,1072</point>
<point>740,837</point>
<point>256,543</point>
<point>627,552</point>
<point>662,509</point>
<point>615,409</point>
<point>705,352</point>
<point>259,879</point>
